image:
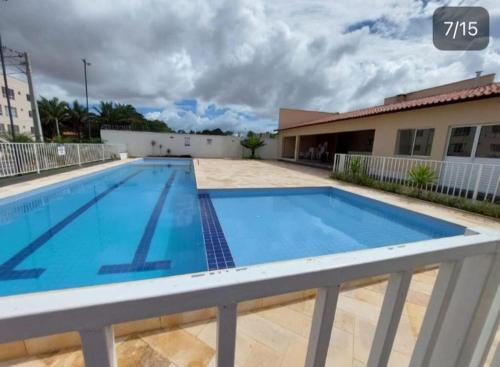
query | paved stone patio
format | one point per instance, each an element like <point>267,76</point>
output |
<point>277,336</point>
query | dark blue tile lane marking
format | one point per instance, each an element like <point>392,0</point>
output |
<point>139,262</point>
<point>217,250</point>
<point>7,269</point>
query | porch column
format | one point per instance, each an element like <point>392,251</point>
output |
<point>297,148</point>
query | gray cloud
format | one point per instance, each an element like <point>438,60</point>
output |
<point>250,56</point>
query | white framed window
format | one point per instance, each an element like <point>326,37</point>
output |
<point>414,142</point>
<point>488,144</point>
<point>187,141</point>
<point>1,111</point>
<point>461,141</point>
<point>2,128</point>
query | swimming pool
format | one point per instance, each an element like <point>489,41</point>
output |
<point>147,219</point>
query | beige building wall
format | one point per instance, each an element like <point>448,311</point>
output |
<point>386,126</point>
<point>21,103</point>
<point>289,117</point>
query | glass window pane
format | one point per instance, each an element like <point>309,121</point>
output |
<point>405,140</point>
<point>461,140</point>
<point>488,145</point>
<point>423,142</point>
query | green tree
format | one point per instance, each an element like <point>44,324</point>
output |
<point>110,113</point>
<point>252,142</point>
<point>78,118</point>
<point>53,112</point>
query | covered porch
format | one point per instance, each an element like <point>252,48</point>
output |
<point>319,150</point>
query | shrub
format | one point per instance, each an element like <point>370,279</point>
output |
<point>355,166</point>
<point>421,176</point>
<point>480,207</point>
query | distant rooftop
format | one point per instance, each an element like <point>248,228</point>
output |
<point>464,90</point>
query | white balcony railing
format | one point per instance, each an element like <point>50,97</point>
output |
<point>468,180</point>
<point>457,330</point>
<point>21,158</point>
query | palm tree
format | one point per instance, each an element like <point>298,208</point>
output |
<point>53,111</point>
<point>118,114</point>
<point>78,117</point>
<point>252,142</point>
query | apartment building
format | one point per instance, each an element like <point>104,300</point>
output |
<point>20,101</point>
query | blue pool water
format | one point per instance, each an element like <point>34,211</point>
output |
<point>280,224</point>
<point>134,222</point>
<point>147,219</point>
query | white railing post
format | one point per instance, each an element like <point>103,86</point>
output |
<point>465,314</point>
<point>487,334</point>
<point>387,326</point>
<point>79,156</point>
<point>99,347</point>
<point>321,327</point>
<point>226,334</point>
<point>382,171</point>
<point>436,310</point>
<point>342,162</point>
<point>37,159</point>
<point>478,180</point>
<point>103,153</point>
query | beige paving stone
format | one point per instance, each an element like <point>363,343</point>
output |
<point>12,350</point>
<point>306,307</point>
<point>260,355</point>
<point>363,338</point>
<point>52,343</point>
<point>266,332</point>
<point>24,362</point>
<point>289,319</point>
<point>344,320</point>
<point>415,315</point>
<point>359,308</point>
<point>180,347</point>
<point>131,327</point>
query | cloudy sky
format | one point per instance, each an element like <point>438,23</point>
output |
<point>233,63</point>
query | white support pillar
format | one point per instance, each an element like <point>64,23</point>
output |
<point>99,347</point>
<point>226,334</point>
<point>297,148</point>
<point>321,327</point>
<point>37,158</point>
<point>436,310</point>
<point>103,157</point>
<point>464,316</point>
<point>388,321</point>
<point>478,180</point>
<point>79,156</point>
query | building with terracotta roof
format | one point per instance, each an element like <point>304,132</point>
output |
<point>458,121</point>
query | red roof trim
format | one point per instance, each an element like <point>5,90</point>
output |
<point>487,91</point>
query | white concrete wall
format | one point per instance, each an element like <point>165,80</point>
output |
<point>268,151</point>
<point>138,144</point>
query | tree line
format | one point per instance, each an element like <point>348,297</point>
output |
<point>63,121</point>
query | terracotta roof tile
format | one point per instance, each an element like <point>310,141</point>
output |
<point>445,98</point>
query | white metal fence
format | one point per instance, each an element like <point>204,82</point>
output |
<point>457,330</point>
<point>468,180</point>
<point>21,158</point>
